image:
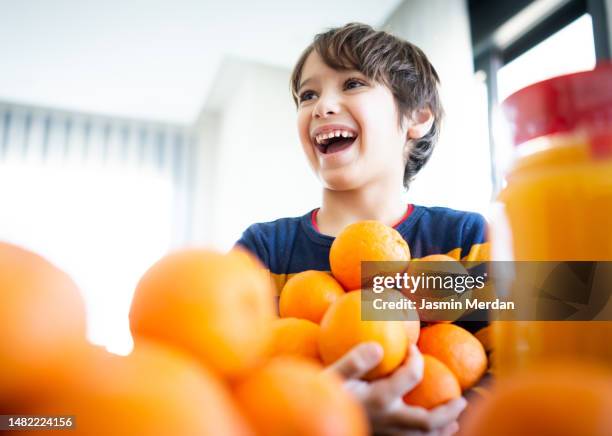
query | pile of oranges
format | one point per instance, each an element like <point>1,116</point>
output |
<point>204,328</point>
<point>319,307</point>
<point>211,357</point>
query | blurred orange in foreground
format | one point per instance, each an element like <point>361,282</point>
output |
<point>42,316</point>
<point>291,396</point>
<point>308,294</point>
<point>153,391</point>
<point>438,385</point>
<point>342,328</point>
<point>458,349</point>
<point>366,241</point>
<point>295,337</point>
<point>217,307</point>
<point>559,399</point>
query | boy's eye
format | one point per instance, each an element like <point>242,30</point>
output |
<point>306,95</point>
<point>353,83</point>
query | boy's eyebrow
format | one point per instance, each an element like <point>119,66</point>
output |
<point>302,84</point>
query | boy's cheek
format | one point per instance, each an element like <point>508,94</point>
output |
<point>310,157</point>
<point>307,146</point>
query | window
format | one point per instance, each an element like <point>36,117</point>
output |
<point>569,50</point>
<point>104,226</point>
<point>100,198</point>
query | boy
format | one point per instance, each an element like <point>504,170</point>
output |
<point>368,116</point>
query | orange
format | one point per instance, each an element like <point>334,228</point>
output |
<point>42,316</point>
<point>291,396</point>
<point>342,328</point>
<point>438,385</point>
<point>432,266</point>
<point>484,335</point>
<point>294,336</point>
<point>308,294</point>
<point>217,307</point>
<point>556,399</point>
<point>153,391</point>
<point>456,348</point>
<point>366,241</point>
<point>436,258</point>
<point>410,316</point>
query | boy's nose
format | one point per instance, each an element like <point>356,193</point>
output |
<point>325,107</point>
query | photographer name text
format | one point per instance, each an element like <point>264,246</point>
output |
<point>497,304</point>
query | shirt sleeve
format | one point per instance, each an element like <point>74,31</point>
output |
<point>475,244</point>
<point>252,241</point>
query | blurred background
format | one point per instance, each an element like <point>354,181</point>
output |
<point>130,128</point>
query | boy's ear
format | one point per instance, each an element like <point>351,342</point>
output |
<point>421,123</point>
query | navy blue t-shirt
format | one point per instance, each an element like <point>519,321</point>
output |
<point>288,246</point>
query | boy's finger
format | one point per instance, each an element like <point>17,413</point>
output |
<point>446,413</point>
<point>408,417</point>
<point>422,419</point>
<point>357,362</point>
<point>405,378</point>
<point>450,429</point>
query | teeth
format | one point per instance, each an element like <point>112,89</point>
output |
<point>334,134</point>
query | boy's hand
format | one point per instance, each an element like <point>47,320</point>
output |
<point>382,399</point>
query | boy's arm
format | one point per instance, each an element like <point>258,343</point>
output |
<point>252,241</point>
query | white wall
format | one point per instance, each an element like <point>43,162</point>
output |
<point>458,174</point>
<point>207,134</point>
<point>259,171</point>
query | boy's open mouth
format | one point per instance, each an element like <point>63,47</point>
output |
<point>334,141</point>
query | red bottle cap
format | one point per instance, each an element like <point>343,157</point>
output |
<point>564,104</point>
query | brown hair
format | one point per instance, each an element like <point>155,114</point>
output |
<point>387,59</point>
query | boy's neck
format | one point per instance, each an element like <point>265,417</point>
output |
<point>341,208</point>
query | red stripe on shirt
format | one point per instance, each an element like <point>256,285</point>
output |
<point>313,217</point>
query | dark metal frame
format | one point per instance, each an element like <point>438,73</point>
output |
<point>487,16</point>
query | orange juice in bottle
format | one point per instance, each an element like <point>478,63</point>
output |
<point>557,206</point>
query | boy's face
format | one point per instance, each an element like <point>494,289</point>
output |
<point>348,127</point>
